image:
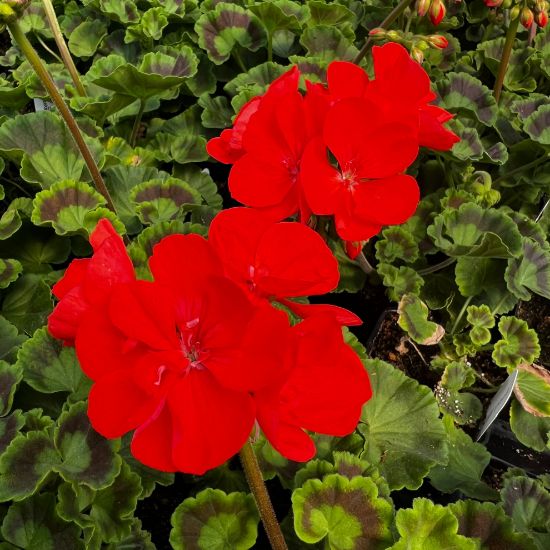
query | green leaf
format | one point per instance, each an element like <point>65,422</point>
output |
<point>429,526</point>
<point>519,343</point>
<point>34,524</point>
<point>226,27</point>
<point>467,462</point>
<point>533,431</point>
<point>533,389</point>
<point>150,26</point>
<point>217,113</point>
<point>347,512</point>
<point>28,303</point>
<point>86,37</point>
<point>259,76</point>
<point>9,272</point>
<point>25,464</point>
<point>463,93</point>
<point>10,376</point>
<point>400,281</point>
<point>160,200</point>
<point>530,272</point>
<point>65,206</point>
<point>488,523</point>
<point>476,232</point>
<point>333,14</point>
<point>216,521</point>
<point>9,428</point>
<point>15,98</point>
<point>482,319</point>
<point>87,457</point>
<point>396,243</point>
<point>10,339</point>
<point>123,11</point>
<point>458,375</point>
<point>45,148</point>
<point>202,182</point>
<point>328,44</point>
<point>537,125</point>
<point>352,277</point>
<point>274,18</point>
<point>404,436</point>
<point>137,540</point>
<point>413,319</point>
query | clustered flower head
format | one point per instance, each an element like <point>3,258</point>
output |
<point>340,150</point>
<point>194,359</point>
<point>529,12</point>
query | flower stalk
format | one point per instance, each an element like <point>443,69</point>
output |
<point>46,79</point>
<point>256,483</point>
<point>505,59</point>
<point>62,46</point>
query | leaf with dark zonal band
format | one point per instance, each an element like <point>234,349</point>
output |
<point>519,343</point>
<point>9,271</point>
<point>413,319</point>
<point>10,340</point>
<point>216,521</point>
<point>532,389</point>
<point>537,125</point>
<point>9,428</point>
<point>10,376</point>
<point>533,431</point>
<point>348,513</point>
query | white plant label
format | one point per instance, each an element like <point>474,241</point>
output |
<point>41,105</point>
<point>498,402</point>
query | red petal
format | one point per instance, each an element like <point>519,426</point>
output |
<point>210,423</point>
<point>346,79</point>
<point>339,314</point>
<point>351,228</point>
<point>316,105</point>
<point>72,277</point>
<point>432,133</point>
<point>305,267</point>
<point>66,317</point>
<point>221,149</point>
<point>152,442</point>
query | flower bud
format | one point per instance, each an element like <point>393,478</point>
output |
<point>422,7</point>
<point>514,13</point>
<point>417,54</point>
<point>378,34</point>
<point>541,18</point>
<point>527,17</point>
<point>394,35</point>
<point>507,4</point>
<point>493,3</point>
<point>10,10</point>
<point>437,11</point>
<point>353,248</point>
<point>438,41</point>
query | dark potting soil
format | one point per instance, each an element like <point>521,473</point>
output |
<point>536,313</point>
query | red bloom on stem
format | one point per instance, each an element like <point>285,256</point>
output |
<point>277,261</point>
<point>311,396</point>
<point>437,11</point>
<point>89,282</point>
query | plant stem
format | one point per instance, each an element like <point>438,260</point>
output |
<point>239,60</point>
<point>394,14</point>
<point>270,46</point>
<point>137,123</point>
<point>505,59</point>
<point>437,267</point>
<point>532,164</point>
<point>47,48</point>
<point>64,111</point>
<point>364,264</point>
<point>62,46</point>
<point>257,486</point>
<point>461,314</point>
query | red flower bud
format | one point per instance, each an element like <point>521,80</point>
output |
<point>417,54</point>
<point>541,19</point>
<point>437,11</point>
<point>438,41</point>
<point>422,7</point>
<point>493,3</point>
<point>526,18</point>
<point>353,248</point>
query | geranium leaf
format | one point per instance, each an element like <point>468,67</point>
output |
<point>161,200</point>
<point>467,462</point>
<point>352,277</point>
<point>150,26</point>
<point>532,389</point>
<point>533,431</point>
<point>529,272</point>
<point>519,343</point>
<point>396,243</point>
<point>481,319</point>
<point>86,37</point>
<point>9,271</point>
<point>400,281</point>
<point>188,148</point>
<point>336,15</point>
<point>261,76</point>
<point>217,113</point>
<point>48,366</point>
<point>34,523</point>
<point>13,97</point>
<point>470,146</point>
<point>9,428</point>
<point>458,375</point>
<point>10,222</point>
<point>348,513</point>
<point>87,457</point>
<point>274,17</point>
<point>10,376</point>
<point>431,527</point>
<point>328,43</point>
<point>99,107</point>
<point>228,26</point>
<point>462,92</point>
<point>413,319</point>
<point>215,520</point>
<point>488,523</point>
<point>476,232</point>
<point>202,182</point>
<point>123,11</point>
<point>10,339</point>
<point>404,436</point>
<point>25,464</point>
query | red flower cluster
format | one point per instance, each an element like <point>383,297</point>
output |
<point>339,150</point>
<point>191,360</point>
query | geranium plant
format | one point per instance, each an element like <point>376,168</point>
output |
<point>274,274</point>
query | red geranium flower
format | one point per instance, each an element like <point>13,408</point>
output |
<point>176,359</point>
<point>324,391</point>
<point>277,261</point>
<point>89,282</point>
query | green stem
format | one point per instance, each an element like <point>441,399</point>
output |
<point>270,46</point>
<point>257,486</point>
<point>62,46</point>
<point>394,14</point>
<point>505,59</point>
<point>47,48</point>
<point>527,166</point>
<point>364,264</point>
<point>239,60</point>
<point>47,81</point>
<point>137,123</point>
<point>409,21</point>
<point>437,267</point>
<point>461,314</point>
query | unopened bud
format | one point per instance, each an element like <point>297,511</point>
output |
<point>10,10</point>
<point>493,3</point>
<point>507,4</point>
<point>394,35</point>
<point>417,54</point>
<point>527,17</point>
<point>438,41</point>
<point>514,12</point>
<point>378,33</point>
<point>437,11</point>
<point>541,18</point>
<point>422,7</point>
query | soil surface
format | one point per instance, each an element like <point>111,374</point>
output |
<point>536,313</point>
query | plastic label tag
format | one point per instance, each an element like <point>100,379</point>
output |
<point>41,105</point>
<point>498,402</point>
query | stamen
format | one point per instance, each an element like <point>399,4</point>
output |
<point>160,372</point>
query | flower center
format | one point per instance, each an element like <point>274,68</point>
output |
<point>191,347</point>
<point>348,180</point>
